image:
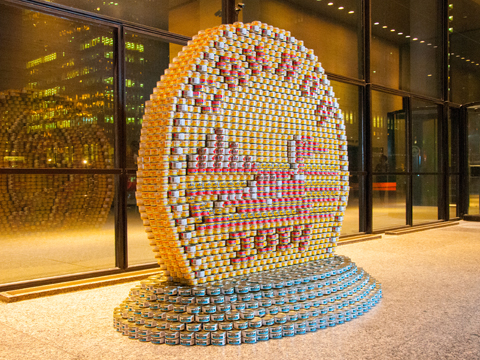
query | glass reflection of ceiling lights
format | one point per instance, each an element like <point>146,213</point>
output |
<point>450,30</point>
<point>340,7</point>
<point>400,33</point>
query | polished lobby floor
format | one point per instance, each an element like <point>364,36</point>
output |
<point>430,310</point>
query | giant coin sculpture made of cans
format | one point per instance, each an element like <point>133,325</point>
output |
<point>242,185</point>
<point>50,131</point>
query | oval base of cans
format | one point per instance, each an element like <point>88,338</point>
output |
<point>285,302</point>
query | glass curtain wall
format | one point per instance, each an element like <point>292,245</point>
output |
<point>58,145</point>
<point>74,77</point>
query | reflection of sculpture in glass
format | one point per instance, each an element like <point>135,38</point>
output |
<point>51,132</point>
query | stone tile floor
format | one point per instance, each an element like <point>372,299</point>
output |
<point>430,310</point>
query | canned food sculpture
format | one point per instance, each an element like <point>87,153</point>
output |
<point>39,131</point>
<point>242,185</point>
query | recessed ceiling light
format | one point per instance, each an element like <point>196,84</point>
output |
<point>392,30</point>
<point>384,26</point>
<point>377,23</point>
<point>400,33</point>
<point>351,12</point>
<point>407,36</point>
<point>429,44</point>
<point>330,4</point>
<point>341,8</point>
<point>429,75</point>
<point>415,39</point>
<point>421,42</point>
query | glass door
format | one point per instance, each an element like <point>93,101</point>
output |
<point>389,158</point>
<point>473,164</point>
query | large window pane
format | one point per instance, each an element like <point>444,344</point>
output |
<point>454,118</point>
<point>143,70</point>
<point>453,196</point>
<point>139,250</point>
<point>331,30</point>
<point>55,224</point>
<point>389,201</point>
<point>406,45</point>
<point>464,52</point>
<point>56,92</point>
<point>185,17</point>
<point>424,136</point>
<point>348,98</point>
<point>474,159</point>
<point>424,198</point>
<point>351,220</point>
<point>388,133</point>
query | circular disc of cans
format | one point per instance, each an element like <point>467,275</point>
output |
<point>243,165</point>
